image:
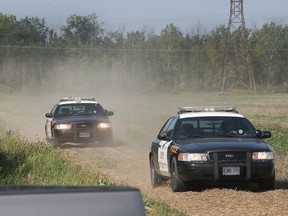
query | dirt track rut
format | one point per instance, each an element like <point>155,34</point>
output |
<point>127,162</point>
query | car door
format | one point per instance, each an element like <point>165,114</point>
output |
<point>161,145</point>
<point>48,126</point>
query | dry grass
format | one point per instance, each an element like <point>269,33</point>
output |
<point>137,120</point>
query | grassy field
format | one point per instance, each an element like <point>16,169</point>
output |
<point>137,120</point>
<point>26,163</point>
<point>266,112</point>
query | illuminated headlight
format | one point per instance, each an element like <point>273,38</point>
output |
<point>104,125</point>
<point>192,157</point>
<point>262,156</point>
<point>63,126</point>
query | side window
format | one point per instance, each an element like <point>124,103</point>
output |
<point>166,125</point>
<point>99,109</point>
<point>55,110</point>
<point>169,126</point>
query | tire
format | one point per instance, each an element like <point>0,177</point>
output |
<point>155,178</point>
<point>107,141</point>
<point>177,185</point>
<point>55,143</point>
<point>267,184</point>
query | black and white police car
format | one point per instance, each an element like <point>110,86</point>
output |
<point>78,120</point>
<point>211,144</point>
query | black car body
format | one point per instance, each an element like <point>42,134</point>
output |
<point>193,146</point>
<point>47,200</point>
<point>78,120</point>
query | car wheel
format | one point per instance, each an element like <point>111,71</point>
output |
<point>55,143</point>
<point>177,184</point>
<point>107,141</point>
<point>267,184</point>
<point>156,179</point>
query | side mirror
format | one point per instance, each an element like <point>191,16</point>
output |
<point>48,115</point>
<point>109,113</point>
<point>263,134</point>
<point>163,136</point>
<point>266,134</point>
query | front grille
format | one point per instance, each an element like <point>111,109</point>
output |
<point>84,126</point>
<point>84,130</point>
<point>224,159</point>
<point>228,156</point>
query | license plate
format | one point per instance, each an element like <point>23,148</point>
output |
<point>84,134</point>
<point>231,171</point>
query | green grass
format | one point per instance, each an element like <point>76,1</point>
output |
<point>266,112</point>
<point>26,163</point>
<point>35,163</point>
<point>160,208</point>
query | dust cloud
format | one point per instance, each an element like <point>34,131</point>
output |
<point>135,120</point>
<point>139,112</point>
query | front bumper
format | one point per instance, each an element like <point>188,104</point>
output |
<point>81,134</point>
<point>214,171</point>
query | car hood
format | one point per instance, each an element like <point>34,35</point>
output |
<point>221,144</point>
<point>79,119</point>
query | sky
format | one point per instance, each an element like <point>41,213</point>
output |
<point>132,15</point>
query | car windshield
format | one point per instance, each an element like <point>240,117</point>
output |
<point>201,127</point>
<point>79,109</point>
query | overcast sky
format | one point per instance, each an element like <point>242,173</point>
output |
<point>156,14</point>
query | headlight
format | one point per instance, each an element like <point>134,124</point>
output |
<point>63,126</point>
<point>104,125</point>
<point>262,156</point>
<point>192,157</point>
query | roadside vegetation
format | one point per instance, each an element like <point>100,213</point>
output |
<point>83,56</point>
<point>26,163</point>
<point>84,53</point>
<point>23,162</point>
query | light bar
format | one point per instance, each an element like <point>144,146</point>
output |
<point>78,99</point>
<point>208,109</point>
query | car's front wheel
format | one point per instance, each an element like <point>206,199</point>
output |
<point>267,184</point>
<point>107,140</point>
<point>156,179</point>
<point>177,184</point>
<point>54,142</point>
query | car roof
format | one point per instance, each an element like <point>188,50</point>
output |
<point>208,111</point>
<point>209,114</point>
<point>77,100</point>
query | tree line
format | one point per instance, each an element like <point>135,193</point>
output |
<point>83,54</point>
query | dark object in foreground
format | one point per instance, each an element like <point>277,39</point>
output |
<point>70,200</point>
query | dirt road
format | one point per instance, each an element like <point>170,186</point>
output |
<point>136,122</point>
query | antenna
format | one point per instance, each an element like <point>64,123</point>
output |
<point>237,61</point>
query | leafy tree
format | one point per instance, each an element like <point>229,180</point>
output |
<point>270,54</point>
<point>135,45</point>
<point>8,28</point>
<point>199,64</point>
<point>152,58</point>
<point>83,31</point>
<point>32,31</point>
<point>171,43</point>
<point>113,40</point>
<point>215,43</point>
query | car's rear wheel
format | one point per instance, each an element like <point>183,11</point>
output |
<point>267,184</point>
<point>156,179</point>
<point>177,184</point>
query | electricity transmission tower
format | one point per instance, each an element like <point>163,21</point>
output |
<point>237,67</point>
